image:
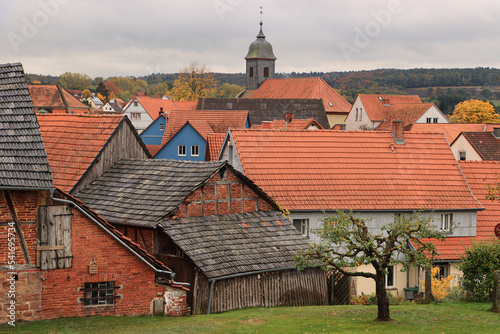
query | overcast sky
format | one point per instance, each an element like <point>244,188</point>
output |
<point>131,37</point>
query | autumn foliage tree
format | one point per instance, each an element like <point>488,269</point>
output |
<point>78,81</point>
<point>474,111</point>
<point>194,81</point>
<point>347,243</point>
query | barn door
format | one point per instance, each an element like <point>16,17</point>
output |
<point>54,240</point>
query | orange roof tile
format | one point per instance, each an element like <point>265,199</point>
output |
<point>152,105</point>
<point>329,170</point>
<point>185,105</point>
<point>52,96</point>
<point>295,124</point>
<point>153,149</point>
<point>450,130</point>
<point>214,144</point>
<point>303,88</point>
<point>479,175</point>
<point>218,120</point>
<point>408,113</point>
<point>375,107</point>
<point>73,142</point>
<point>485,144</point>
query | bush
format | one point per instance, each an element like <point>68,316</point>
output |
<point>478,264</point>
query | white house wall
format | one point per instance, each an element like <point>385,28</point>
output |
<point>143,122</point>
<point>432,112</point>
<point>352,124</point>
<point>463,145</point>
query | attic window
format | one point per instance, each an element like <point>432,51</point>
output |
<point>136,103</point>
<point>302,225</point>
<point>380,98</point>
<point>182,150</point>
<point>162,126</point>
<point>195,150</point>
<point>462,155</point>
<point>330,104</point>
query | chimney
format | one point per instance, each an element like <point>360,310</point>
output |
<point>267,124</point>
<point>398,131</point>
<point>496,132</point>
<point>160,113</point>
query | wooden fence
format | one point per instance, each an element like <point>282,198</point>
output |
<point>280,288</point>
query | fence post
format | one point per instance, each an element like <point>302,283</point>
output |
<point>496,291</point>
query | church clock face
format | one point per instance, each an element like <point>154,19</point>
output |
<point>497,231</point>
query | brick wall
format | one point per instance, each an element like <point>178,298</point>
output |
<point>59,293</point>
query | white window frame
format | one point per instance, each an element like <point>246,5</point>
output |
<point>162,126</point>
<point>181,150</point>
<point>429,120</point>
<point>303,228</point>
<point>195,151</point>
<point>446,221</point>
<point>435,120</point>
<point>462,155</point>
<point>391,271</point>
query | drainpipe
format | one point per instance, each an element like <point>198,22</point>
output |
<point>213,280</point>
<point>172,274</point>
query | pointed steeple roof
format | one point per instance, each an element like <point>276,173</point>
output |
<point>260,48</point>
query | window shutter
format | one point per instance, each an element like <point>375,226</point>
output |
<point>54,247</point>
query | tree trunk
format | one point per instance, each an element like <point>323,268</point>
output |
<point>428,286</point>
<point>382,299</point>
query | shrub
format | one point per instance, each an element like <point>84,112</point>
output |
<point>478,264</point>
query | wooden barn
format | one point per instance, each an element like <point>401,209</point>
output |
<point>213,227</point>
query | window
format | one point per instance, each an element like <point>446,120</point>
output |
<point>162,126</point>
<point>444,271</point>
<point>446,221</point>
<point>462,155</point>
<point>302,225</point>
<point>266,72</point>
<point>136,103</point>
<point>435,120</point>
<point>182,150</point>
<point>99,293</point>
<point>195,150</point>
<point>251,72</point>
<point>356,114</point>
<point>360,113</point>
<point>135,115</point>
<point>429,120</point>
<point>389,277</point>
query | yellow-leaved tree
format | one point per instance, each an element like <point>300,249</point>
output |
<point>474,111</point>
<point>194,81</point>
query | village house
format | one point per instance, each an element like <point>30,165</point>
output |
<point>376,174</point>
<point>377,112</point>
<point>183,134</point>
<point>53,99</point>
<point>82,148</point>
<point>95,102</point>
<point>58,257</point>
<point>213,227</point>
<point>478,146</point>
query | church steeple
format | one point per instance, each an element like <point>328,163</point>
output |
<point>260,60</point>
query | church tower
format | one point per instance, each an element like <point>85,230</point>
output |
<point>260,61</point>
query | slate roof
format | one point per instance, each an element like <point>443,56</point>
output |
<point>23,160</point>
<point>214,144</point>
<point>303,88</point>
<point>141,192</point>
<point>56,97</point>
<point>485,144</point>
<point>261,110</point>
<point>408,113</point>
<point>355,170</point>
<point>479,175</point>
<point>375,107</point>
<point>241,243</point>
<point>295,124</point>
<point>73,142</point>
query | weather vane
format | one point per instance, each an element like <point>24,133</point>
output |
<point>260,14</point>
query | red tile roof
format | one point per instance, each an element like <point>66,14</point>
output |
<point>295,124</point>
<point>479,175</point>
<point>73,142</point>
<point>152,105</point>
<point>408,113</point>
<point>303,88</point>
<point>52,96</point>
<point>485,144</point>
<point>214,144</point>
<point>375,107</point>
<point>359,170</point>
<point>450,130</point>
<point>185,105</point>
<point>217,121</point>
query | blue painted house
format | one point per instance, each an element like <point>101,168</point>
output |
<point>183,134</point>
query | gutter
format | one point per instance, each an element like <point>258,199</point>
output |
<point>213,280</point>
<point>169,272</point>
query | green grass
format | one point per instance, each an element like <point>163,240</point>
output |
<point>434,318</point>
